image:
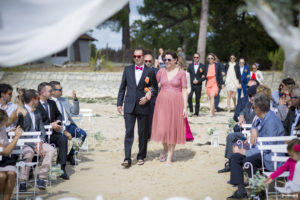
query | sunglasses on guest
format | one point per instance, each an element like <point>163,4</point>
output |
<point>148,61</point>
<point>196,57</point>
<point>137,56</point>
<point>167,59</point>
<point>210,58</point>
<point>58,89</point>
<point>294,97</point>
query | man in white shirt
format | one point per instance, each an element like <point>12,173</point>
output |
<point>33,122</point>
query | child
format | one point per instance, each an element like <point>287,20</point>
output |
<point>293,165</point>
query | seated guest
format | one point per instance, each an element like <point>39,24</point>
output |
<point>8,171</point>
<point>241,104</point>
<point>33,122</point>
<point>277,94</point>
<point>284,102</point>
<point>246,117</point>
<point>293,116</point>
<point>51,115</point>
<point>67,110</point>
<point>6,104</point>
<point>267,125</point>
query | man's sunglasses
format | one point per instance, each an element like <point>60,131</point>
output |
<point>167,59</point>
<point>294,97</point>
<point>148,61</point>
<point>137,56</point>
<point>58,89</point>
<point>196,57</point>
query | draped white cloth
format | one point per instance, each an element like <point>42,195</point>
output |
<point>33,29</point>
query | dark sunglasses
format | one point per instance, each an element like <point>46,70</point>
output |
<point>294,97</point>
<point>196,57</point>
<point>232,57</point>
<point>137,56</point>
<point>210,58</point>
<point>58,89</point>
<point>148,61</point>
<point>167,59</point>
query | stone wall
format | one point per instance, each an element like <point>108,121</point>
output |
<point>93,84</point>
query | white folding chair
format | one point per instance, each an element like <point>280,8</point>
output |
<point>86,114</point>
<point>1,149</point>
<point>276,149</point>
<point>31,137</point>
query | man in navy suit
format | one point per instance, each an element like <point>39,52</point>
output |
<point>139,84</point>
<point>245,77</point>
<point>196,70</point>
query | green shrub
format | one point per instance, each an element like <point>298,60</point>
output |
<point>277,59</point>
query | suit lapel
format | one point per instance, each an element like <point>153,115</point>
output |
<point>143,75</point>
<point>132,72</point>
<point>28,118</point>
<point>43,110</point>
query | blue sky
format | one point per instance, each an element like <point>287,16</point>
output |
<point>113,39</point>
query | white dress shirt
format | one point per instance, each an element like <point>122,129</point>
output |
<point>196,66</point>
<point>138,73</point>
<point>241,69</point>
<point>31,113</point>
<point>62,109</point>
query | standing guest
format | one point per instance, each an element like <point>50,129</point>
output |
<point>245,77</point>
<point>160,58</point>
<point>217,98</point>
<point>33,122</point>
<point>256,74</point>
<point>180,53</point>
<point>196,70</point>
<point>6,104</point>
<point>233,81</point>
<point>284,102</point>
<point>170,111</point>
<point>214,81</point>
<point>181,64</point>
<point>68,110</point>
<point>51,116</point>
<point>267,125</point>
<point>136,81</point>
<point>148,61</point>
<point>8,171</point>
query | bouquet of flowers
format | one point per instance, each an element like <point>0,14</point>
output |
<point>55,171</point>
<point>211,131</point>
<point>230,125</point>
<point>76,143</point>
<point>257,184</point>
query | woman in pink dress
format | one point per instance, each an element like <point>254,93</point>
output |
<point>181,64</point>
<point>170,110</point>
<point>214,79</point>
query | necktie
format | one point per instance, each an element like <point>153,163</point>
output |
<point>62,111</point>
<point>46,108</point>
<point>138,68</point>
<point>196,63</point>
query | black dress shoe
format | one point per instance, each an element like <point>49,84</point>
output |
<point>65,175</point>
<point>41,184</point>
<point>126,163</point>
<point>196,115</point>
<point>238,195</point>
<point>226,169</point>
<point>22,187</point>
<point>71,159</point>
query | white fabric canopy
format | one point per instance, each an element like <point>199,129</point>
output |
<point>33,29</point>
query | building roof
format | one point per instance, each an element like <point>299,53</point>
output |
<point>86,37</point>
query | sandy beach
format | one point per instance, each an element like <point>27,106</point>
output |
<point>193,173</point>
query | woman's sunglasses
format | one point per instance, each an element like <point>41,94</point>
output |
<point>167,59</point>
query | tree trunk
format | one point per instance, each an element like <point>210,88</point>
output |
<point>125,34</point>
<point>203,30</point>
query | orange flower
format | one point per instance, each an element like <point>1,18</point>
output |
<point>147,79</point>
<point>146,89</point>
<point>201,70</point>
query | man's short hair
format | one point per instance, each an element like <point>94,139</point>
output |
<point>29,94</point>
<point>42,86</point>
<point>4,88</point>
<point>54,83</point>
<point>197,54</point>
<point>262,102</point>
<point>139,49</point>
<point>257,83</point>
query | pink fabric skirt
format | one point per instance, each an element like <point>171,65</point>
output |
<point>168,124</point>
<point>189,135</point>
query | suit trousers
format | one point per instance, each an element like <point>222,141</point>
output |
<point>28,153</point>
<point>197,89</point>
<point>230,140</point>
<point>152,106</point>
<point>237,162</point>
<point>143,128</point>
<point>244,88</point>
<point>62,144</point>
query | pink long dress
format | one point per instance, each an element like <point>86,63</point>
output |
<point>169,125</point>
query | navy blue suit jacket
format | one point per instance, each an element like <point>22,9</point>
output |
<point>246,72</point>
